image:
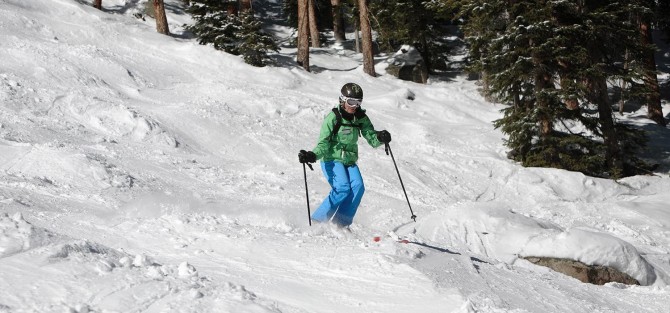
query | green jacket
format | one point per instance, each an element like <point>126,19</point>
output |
<point>343,147</point>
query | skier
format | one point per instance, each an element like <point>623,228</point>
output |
<point>338,151</point>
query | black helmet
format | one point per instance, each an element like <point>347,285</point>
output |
<point>351,90</point>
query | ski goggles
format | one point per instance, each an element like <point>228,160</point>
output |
<point>352,102</point>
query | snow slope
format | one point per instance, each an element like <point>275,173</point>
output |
<point>143,172</point>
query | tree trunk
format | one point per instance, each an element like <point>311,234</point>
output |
<point>338,21</point>
<point>97,4</point>
<point>542,82</point>
<point>598,95</point>
<point>564,82</point>
<point>368,60</point>
<point>653,99</point>
<point>161,18</point>
<point>626,65</point>
<point>425,54</point>
<point>313,29</point>
<point>357,37</point>
<point>245,5</point>
<point>303,34</point>
<point>232,8</point>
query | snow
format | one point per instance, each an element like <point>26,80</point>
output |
<point>143,172</point>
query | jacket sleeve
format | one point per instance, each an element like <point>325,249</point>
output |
<point>369,133</point>
<point>324,145</point>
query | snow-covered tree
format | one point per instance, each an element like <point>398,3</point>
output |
<point>214,25</point>
<point>217,23</point>
<point>254,43</point>
<point>552,61</point>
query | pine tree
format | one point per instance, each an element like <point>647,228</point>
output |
<point>551,60</point>
<point>255,44</point>
<point>217,24</point>
<point>213,25</point>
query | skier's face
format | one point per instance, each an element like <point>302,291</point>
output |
<point>350,109</point>
<point>351,105</point>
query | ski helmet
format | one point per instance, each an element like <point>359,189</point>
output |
<point>351,90</point>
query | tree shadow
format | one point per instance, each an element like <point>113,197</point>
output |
<point>445,250</point>
<point>286,60</point>
<point>658,147</point>
<point>663,62</point>
<point>267,10</point>
<point>664,88</point>
<point>448,76</point>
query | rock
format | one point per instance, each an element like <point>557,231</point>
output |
<point>593,274</point>
<point>407,64</point>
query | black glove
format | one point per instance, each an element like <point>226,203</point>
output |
<point>306,156</point>
<point>384,136</point>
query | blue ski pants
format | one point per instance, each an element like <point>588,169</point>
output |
<point>345,196</point>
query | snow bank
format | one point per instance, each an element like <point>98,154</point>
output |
<point>495,230</point>
<point>592,248</point>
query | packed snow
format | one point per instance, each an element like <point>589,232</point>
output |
<point>144,172</point>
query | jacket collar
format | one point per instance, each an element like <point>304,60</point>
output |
<point>359,114</point>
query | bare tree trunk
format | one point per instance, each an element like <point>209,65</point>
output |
<point>368,60</point>
<point>542,82</point>
<point>97,4</point>
<point>232,8</point>
<point>161,18</point>
<point>653,99</point>
<point>357,37</point>
<point>626,65</point>
<point>313,29</point>
<point>245,5</point>
<point>338,21</point>
<point>598,94</point>
<point>564,81</point>
<point>303,34</point>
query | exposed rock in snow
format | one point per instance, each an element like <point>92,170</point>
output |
<point>594,274</point>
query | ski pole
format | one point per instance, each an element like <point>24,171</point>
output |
<point>304,170</point>
<point>388,151</point>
